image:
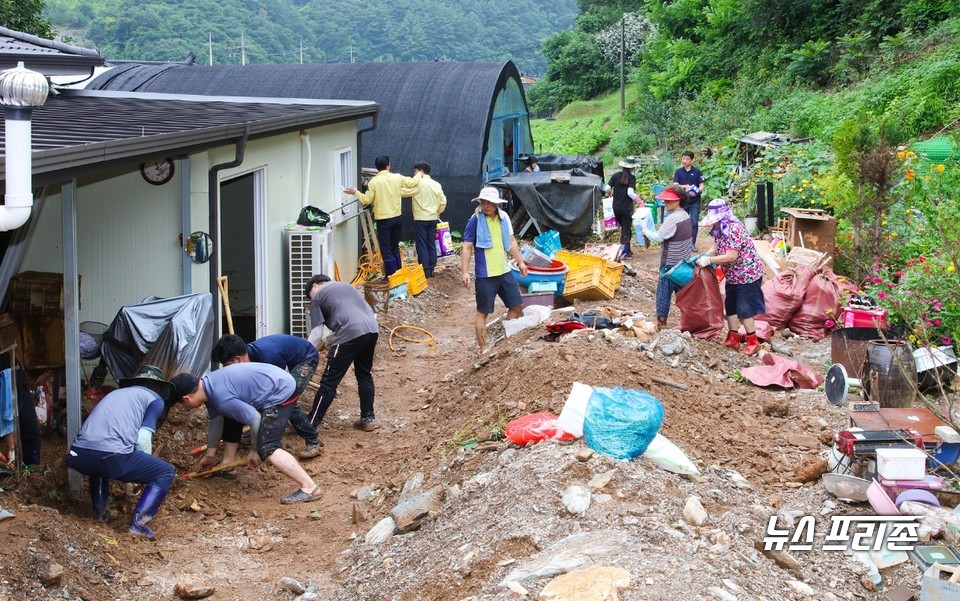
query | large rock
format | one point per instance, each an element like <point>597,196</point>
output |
<point>810,469</point>
<point>381,532</point>
<point>410,514</point>
<point>191,589</point>
<point>694,513</point>
<point>599,583</point>
<point>51,574</point>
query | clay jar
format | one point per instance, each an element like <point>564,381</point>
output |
<point>890,373</point>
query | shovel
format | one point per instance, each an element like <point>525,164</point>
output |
<point>224,295</point>
<point>214,470</point>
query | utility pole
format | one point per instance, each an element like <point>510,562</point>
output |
<point>351,52</point>
<point>623,52</point>
<point>301,51</point>
<point>243,49</point>
<point>210,47</point>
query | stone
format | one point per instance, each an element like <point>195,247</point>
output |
<point>410,514</point>
<point>289,584</point>
<point>383,530</point>
<point>364,493</point>
<point>805,441</point>
<point>517,588</point>
<point>810,469</point>
<point>718,593</point>
<point>737,479</point>
<point>601,480</point>
<point>776,408</point>
<point>411,487</point>
<point>826,436</point>
<point>782,558</point>
<point>576,499</point>
<point>599,583</point>
<point>694,513</point>
<point>585,454</point>
<point>360,514</point>
<point>730,584</point>
<point>801,587</point>
<point>571,553</point>
<point>51,574</point>
<point>191,589</point>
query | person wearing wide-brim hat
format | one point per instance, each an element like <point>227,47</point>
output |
<point>490,232</point>
<point>116,442</point>
<point>675,234</point>
<point>733,250</point>
<point>622,187</point>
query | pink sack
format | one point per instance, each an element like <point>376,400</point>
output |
<point>783,295</point>
<point>701,306</point>
<point>821,302</point>
<point>778,371</point>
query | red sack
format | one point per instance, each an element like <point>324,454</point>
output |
<point>783,295</point>
<point>701,305</point>
<point>534,428</point>
<point>821,301</point>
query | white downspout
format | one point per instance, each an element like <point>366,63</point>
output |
<point>305,140</point>
<point>21,90</point>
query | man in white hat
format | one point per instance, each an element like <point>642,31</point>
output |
<point>489,231</point>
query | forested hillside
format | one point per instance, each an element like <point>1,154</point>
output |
<point>330,31</point>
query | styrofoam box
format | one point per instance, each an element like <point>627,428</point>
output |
<point>901,464</point>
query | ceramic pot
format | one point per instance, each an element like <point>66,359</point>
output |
<point>890,373</point>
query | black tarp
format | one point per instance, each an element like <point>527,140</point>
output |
<point>174,334</point>
<point>568,207</point>
<point>566,162</point>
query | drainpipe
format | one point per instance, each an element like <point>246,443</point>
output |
<point>305,142</point>
<point>213,193</point>
<point>21,90</point>
<point>360,133</point>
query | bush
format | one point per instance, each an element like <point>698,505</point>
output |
<point>632,139</point>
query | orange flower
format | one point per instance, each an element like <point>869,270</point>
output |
<point>911,174</point>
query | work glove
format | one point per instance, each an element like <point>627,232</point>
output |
<point>651,235</point>
<point>704,260</point>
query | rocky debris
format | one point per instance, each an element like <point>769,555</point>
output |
<point>191,589</point>
<point>601,480</point>
<point>776,407</point>
<point>383,530</point>
<point>810,469</point>
<point>290,584</point>
<point>576,499</point>
<point>599,583</point>
<point>409,514</point>
<point>694,513</point>
<point>570,553</point>
<point>783,559</point>
<point>51,574</point>
<point>585,454</point>
<point>411,487</point>
<point>718,593</point>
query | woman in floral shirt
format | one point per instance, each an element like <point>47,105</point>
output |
<point>734,251</point>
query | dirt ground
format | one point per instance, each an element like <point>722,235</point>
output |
<point>439,405</point>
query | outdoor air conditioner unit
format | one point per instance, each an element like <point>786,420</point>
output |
<point>308,253</point>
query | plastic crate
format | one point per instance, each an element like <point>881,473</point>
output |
<point>548,242</point>
<point>577,261</point>
<point>412,276</point>
<point>589,283</point>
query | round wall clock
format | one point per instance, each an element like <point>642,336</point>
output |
<point>157,172</point>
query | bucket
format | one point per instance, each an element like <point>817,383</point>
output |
<point>377,295</point>
<point>680,274</point>
<point>848,347</point>
<point>890,373</point>
<point>444,240</point>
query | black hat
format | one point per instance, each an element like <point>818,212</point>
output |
<point>184,384</point>
<point>151,377</point>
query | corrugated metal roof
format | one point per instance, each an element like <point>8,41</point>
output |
<point>49,57</point>
<point>100,130</point>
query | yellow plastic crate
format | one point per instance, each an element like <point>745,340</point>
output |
<point>578,261</point>
<point>412,276</point>
<point>589,283</point>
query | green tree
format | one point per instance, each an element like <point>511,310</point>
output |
<point>25,16</point>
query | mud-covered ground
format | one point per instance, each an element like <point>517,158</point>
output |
<point>499,508</point>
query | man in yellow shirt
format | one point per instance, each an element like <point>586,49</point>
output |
<point>384,192</point>
<point>489,232</point>
<point>428,202</point>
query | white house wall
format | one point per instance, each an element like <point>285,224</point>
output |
<point>129,231</point>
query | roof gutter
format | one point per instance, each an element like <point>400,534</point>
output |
<point>213,194</point>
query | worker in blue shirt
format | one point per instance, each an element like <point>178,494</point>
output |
<point>115,443</point>
<point>691,180</point>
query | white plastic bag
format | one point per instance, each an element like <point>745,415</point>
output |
<point>642,218</point>
<point>533,315</point>
<point>574,410</point>
<point>668,456</point>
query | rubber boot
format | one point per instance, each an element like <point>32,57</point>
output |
<point>661,323</point>
<point>146,510</point>
<point>753,345</point>
<point>732,340</point>
<point>100,497</point>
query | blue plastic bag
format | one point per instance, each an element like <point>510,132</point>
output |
<point>621,423</point>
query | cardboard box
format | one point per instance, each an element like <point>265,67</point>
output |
<point>813,229</point>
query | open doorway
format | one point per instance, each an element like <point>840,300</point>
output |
<point>241,253</point>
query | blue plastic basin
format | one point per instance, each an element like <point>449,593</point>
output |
<point>538,276</point>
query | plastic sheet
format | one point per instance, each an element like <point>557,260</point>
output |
<point>174,334</point>
<point>621,423</point>
<point>534,428</point>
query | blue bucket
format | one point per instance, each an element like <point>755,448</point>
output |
<point>680,274</point>
<point>538,276</point>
